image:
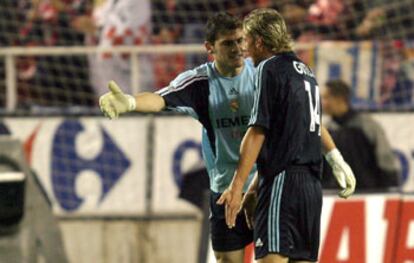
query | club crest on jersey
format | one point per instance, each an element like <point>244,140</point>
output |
<point>234,105</point>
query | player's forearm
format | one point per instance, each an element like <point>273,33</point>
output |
<point>254,183</point>
<point>327,142</point>
<point>149,102</point>
<point>249,151</point>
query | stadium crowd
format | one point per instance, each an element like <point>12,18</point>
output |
<point>78,80</point>
<point>46,80</point>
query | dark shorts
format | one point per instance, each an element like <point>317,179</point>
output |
<point>288,215</point>
<point>225,239</point>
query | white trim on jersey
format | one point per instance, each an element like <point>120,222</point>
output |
<point>273,221</point>
<point>167,90</point>
<point>258,80</point>
<point>162,90</point>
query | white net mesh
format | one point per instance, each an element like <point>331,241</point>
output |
<point>368,43</point>
<point>77,80</point>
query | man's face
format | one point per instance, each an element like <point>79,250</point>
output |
<point>228,49</point>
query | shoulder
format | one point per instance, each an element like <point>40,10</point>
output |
<point>265,66</point>
<point>190,76</point>
<point>277,63</point>
<point>366,120</point>
<point>361,117</point>
<point>266,63</point>
<point>196,77</point>
<point>291,64</point>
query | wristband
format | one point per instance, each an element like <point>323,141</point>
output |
<point>333,156</point>
<point>132,103</point>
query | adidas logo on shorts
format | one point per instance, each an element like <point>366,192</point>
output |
<point>258,243</point>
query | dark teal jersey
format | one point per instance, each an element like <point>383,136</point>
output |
<point>287,105</point>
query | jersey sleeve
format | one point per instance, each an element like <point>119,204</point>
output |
<point>264,89</point>
<point>185,90</point>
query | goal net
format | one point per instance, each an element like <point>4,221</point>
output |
<point>58,55</point>
<point>380,71</point>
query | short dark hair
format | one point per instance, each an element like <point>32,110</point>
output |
<point>219,23</point>
<point>339,88</point>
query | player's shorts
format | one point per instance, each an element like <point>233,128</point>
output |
<point>225,239</point>
<point>288,214</point>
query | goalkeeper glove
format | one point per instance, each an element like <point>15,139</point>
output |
<point>116,102</point>
<point>342,172</point>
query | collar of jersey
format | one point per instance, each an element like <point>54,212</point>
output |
<point>229,78</point>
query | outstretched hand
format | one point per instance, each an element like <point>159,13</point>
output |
<point>232,201</point>
<point>115,102</point>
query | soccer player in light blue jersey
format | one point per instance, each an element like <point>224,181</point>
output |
<point>219,95</point>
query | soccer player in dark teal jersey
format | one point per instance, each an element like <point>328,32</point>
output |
<point>284,136</point>
<point>219,95</point>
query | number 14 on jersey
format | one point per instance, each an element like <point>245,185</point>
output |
<point>315,110</point>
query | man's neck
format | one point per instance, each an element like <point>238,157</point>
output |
<point>284,50</point>
<point>344,117</point>
<point>228,71</point>
<point>266,55</point>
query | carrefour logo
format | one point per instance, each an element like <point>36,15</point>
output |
<point>67,165</point>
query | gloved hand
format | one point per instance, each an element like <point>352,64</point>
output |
<point>116,102</point>
<point>342,172</point>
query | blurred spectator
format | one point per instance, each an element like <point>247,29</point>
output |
<point>336,19</point>
<point>165,18</point>
<point>388,20</point>
<point>167,30</point>
<point>121,22</point>
<point>12,16</point>
<point>58,81</point>
<point>397,83</point>
<point>167,66</point>
<point>294,12</point>
<point>186,18</point>
<point>361,141</point>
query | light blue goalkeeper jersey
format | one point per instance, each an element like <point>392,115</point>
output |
<point>223,106</point>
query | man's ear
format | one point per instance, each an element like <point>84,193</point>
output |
<point>259,43</point>
<point>209,47</point>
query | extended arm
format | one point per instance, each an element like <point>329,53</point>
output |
<point>340,169</point>
<point>249,151</point>
<point>149,102</point>
<point>327,142</point>
<point>115,102</point>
